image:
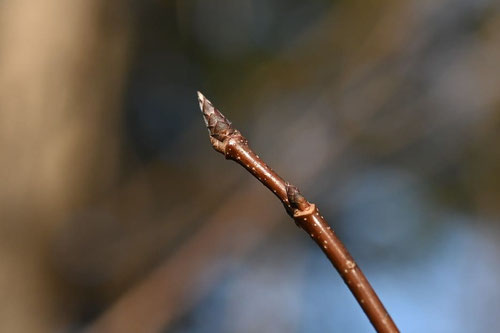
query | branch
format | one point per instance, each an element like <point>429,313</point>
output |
<point>233,145</point>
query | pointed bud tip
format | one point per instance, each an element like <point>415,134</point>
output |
<point>200,96</point>
<point>201,100</point>
<point>219,127</point>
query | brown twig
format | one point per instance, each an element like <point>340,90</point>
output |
<point>230,142</point>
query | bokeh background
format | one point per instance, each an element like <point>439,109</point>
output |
<point>117,216</point>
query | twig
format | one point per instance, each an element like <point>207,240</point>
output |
<point>230,142</point>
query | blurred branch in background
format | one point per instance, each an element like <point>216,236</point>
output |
<point>62,67</point>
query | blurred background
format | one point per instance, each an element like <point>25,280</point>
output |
<point>116,215</point>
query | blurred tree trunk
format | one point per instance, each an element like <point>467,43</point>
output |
<point>62,66</point>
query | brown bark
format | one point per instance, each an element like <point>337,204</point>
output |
<point>230,142</point>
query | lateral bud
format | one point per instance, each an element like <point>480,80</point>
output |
<point>296,200</point>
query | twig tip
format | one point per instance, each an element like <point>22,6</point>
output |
<point>219,127</point>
